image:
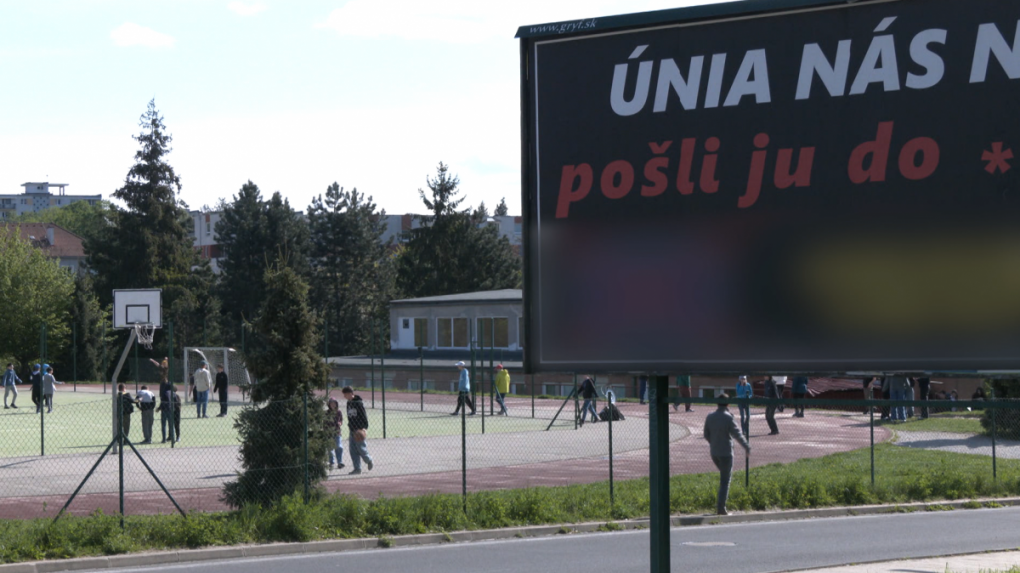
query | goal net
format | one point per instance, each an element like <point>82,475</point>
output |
<point>230,359</point>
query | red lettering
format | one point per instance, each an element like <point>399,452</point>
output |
<point>684,184</point>
<point>800,178</point>
<point>878,150</point>
<point>569,193</point>
<point>610,188</point>
<point>928,149</point>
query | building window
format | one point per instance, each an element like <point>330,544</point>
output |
<point>493,328</point>
<point>452,332</point>
<point>421,332</point>
<point>517,228</point>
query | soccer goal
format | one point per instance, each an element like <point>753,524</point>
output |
<point>230,359</point>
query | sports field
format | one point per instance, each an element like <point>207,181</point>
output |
<point>82,423</point>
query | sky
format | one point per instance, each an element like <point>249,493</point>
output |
<point>294,95</point>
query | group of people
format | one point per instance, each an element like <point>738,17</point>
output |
<point>357,431</point>
<point>145,401</point>
<point>43,383</point>
<point>202,382</point>
<point>464,399</point>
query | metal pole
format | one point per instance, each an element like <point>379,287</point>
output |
<point>576,408</point>
<point>243,348</point>
<point>463,452</point>
<point>658,462</point>
<point>871,411</point>
<point>421,378</point>
<point>382,375</point>
<point>305,441</point>
<point>106,358</point>
<point>325,355</point>
<point>74,351</point>
<point>995,465</point>
<point>169,377</point>
<point>492,379</point>
<point>42,424</point>
<point>747,456</point>
<point>612,493</point>
<point>205,337</point>
<point>532,395</point>
<point>120,456</point>
<point>372,352</point>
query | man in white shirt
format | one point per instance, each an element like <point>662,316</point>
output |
<point>780,388</point>
<point>147,404</point>
<point>203,382</point>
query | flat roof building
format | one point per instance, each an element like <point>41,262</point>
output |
<point>39,196</point>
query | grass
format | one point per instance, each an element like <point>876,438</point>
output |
<point>953,422</point>
<point>905,475</point>
<point>82,422</point>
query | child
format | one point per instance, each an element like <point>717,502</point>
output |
<point>335,420</point>
<point>48,382</point>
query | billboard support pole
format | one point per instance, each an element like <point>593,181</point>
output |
<point>658,466</point>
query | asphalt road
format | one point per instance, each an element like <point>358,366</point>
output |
<point>739,548</point>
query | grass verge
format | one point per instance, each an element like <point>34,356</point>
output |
<point>905,475</point>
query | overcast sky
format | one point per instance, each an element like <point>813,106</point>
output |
<point>293,95</point>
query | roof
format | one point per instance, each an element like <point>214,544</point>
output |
<point>669,16</point>
<point>505,295</point>
<point>65,243</point>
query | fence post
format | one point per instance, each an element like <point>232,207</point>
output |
<point>421,378</point>
<point>576,406</point>
<point>382,378</point>
<point>871,411</point>
<point>136,345</point>
<point>42,400</point>
<point>372,352</point>
<point>532,395</point>
<point>325,356</point>
<point>106,365</point>
<point>463,452</point>
<point>612,492</point>
<point>169,378</point>
<point>305,442</point>
<point>747,454</point>
<point>492,378</point>
<point>120,454</point>
<point>995,465</point>
<point>74,352</point>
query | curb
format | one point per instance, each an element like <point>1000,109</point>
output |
<point>335,545</point>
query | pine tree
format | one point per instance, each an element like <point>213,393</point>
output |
<point>288,367</point>
<point>255,234</point>
<point>501,210</point>
<point>454,251</point>
<point>150,243</point>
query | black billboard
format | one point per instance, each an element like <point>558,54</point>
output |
<point>822,189</point>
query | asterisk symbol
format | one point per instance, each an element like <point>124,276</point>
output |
<point>997,158</point>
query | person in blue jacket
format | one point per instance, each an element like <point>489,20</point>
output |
<point>744,390</point>
<point>799,390</point>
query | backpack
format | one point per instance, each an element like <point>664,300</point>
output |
<point>611,410</point>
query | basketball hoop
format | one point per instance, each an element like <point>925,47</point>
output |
<point>144,332</point>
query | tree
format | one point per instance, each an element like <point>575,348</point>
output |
<point>352,272</point>
<point>452,251</point>
<point>255,234</point>
<point>501,209</point>
<point>88,317</point>
<point>287,366</point>
<point>34,290</point>
<point>86,221</point>
<point>150,244</point>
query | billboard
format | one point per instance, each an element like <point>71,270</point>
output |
<point>823,189</point>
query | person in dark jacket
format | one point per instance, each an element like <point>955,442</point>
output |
<point>335,423</point>
<point>800,390</point>
<point>357,423</point>
<point>170,413</point>
<point>588,393</point>
<point>220,387</point>
<point>924,392</point>
<point>127,407</point>
<point>771,391</point>
<point>35,379</point>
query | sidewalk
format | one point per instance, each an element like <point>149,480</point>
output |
<point>978,563</point>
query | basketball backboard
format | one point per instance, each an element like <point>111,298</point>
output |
<point>137,306</point>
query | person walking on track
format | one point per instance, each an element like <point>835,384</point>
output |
<point>357,425</point>
<point>10,382</point>
<point>502,388</point>
<point>720,431</point>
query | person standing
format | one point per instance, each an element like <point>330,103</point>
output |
<point>49,383</point>
<point>643,388</point>
<point>127,407</point>
<point>924,391</point>
<point>35,379</point>
<point>147,406</point>
<point>203,382</point>
<point>10,382</point>
<point>335,421</point>
<point>897,393</point>
<point>502,388</point>
<point>164,370</point>
<point>170,413</point>
<point>589,393</point>
<point>720,431</point>
<point>221,390</point>
<point>683,382</point>
<point>771,391</point>
<point>357,426</point>
<point>800,388</point>
<point>744,391</point>
<point>463,391</point>
<point>781,390</point>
